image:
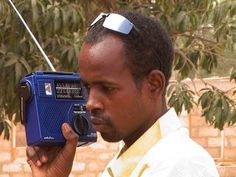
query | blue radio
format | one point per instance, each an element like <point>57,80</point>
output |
<point>47,100</point>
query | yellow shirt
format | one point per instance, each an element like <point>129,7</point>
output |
<point>164,150</point>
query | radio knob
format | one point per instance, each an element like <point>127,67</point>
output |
<point>81,125</point>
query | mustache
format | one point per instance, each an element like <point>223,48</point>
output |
<point>100,115</point>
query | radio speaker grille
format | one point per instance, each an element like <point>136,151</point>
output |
<point>52,116</point>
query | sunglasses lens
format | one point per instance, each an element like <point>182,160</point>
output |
<point>118,23</point>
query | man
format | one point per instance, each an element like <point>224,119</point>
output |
<point>125,63</point>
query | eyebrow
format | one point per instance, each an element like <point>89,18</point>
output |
<point>97,82</point>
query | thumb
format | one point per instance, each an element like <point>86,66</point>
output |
<point>70,136</point>
<point>64,160</point>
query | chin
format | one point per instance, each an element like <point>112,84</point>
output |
<point>110,138</point>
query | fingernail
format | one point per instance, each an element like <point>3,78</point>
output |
<point>66,127</point>
<point>44,159</point>
<point>30,151</point>
<point>36,148</point>
<point>38,163</point>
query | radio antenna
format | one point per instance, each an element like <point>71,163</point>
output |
<point>33,37</point>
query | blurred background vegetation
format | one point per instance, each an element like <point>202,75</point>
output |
<point>203,34</point>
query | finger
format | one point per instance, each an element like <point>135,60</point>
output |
<point>32,156</point>
<point>42,154</point>
<point>31,153</point>
<point>51,153</point>
<point>33,166</point>
<point>47,154</point>
<point>71,142</point>
<point>65,158</point>
<point>36,148</point>
<point>70,136</point>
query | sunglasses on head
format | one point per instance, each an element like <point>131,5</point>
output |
<point>114,22</point>
<point>117,23</point>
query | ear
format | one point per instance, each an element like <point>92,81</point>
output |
<point>156,82</point>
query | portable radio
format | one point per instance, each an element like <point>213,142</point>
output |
<point>47,100</point>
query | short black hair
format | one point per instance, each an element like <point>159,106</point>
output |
<point>148,46</point>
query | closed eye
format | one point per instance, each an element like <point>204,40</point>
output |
<point>102,86</point>
<point>107,89</point>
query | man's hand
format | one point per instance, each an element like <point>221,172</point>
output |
<point>53,161</point>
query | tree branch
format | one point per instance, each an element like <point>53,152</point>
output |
<point>199,38</point>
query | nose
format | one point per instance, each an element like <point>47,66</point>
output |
<point>94,101</point>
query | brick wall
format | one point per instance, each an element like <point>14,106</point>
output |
<point>211,138</point>
<point>91,160</point>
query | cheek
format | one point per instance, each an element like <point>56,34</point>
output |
<point>126,113</point>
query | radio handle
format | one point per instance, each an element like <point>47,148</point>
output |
<point>25,94</point>
<point>33,37</point>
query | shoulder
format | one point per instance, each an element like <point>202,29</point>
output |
<point>177,154</point>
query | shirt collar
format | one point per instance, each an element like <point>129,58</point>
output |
<point>127,159</point>
<point>169,122</point>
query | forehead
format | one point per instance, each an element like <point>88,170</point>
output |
<point>107,57</point>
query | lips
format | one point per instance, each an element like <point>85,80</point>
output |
<point>98,123</point>
<point>97,120</point>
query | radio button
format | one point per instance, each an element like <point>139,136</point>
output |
<point>84,108</point>
<point>78,108</point>
<point>81,125</point>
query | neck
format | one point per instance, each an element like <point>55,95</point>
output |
<point>141,130</point>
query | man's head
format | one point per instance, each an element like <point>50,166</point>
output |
<point>147,46</point>
<point>125,84</point>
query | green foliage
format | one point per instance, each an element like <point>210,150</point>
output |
<point>59,26</point>
<point>181,97</point>
<point>4,125</point>
<point>203,31</point>
<point>5,129</point>
<point>218,108</point>
<point>233,75</point>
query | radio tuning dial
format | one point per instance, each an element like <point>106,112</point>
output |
<point>81,125</point>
